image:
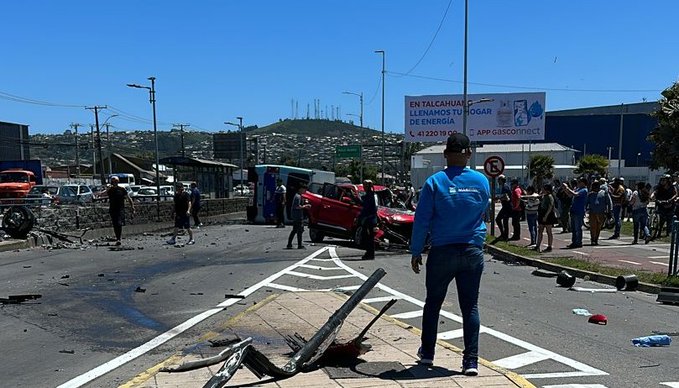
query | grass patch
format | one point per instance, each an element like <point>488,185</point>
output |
<point>588,265</point>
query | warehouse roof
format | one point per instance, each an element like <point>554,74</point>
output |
<point>512,147</point>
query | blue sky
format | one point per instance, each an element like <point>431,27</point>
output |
<point>215,60</point>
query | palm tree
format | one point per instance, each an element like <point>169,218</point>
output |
<point>540,168</point>
<point>592,165</point>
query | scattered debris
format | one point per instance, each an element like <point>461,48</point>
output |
<point>582,312</point>
<point>544,274</point>
<point>652,340</point>
<point>101,275</point>
<point>670,333</point>
<point>65,276</point>
<point>16,299</point>
<point>234,296</point>
<point>139,289</point>
<point>627,283</point>
<point>67,351</point>
<point>564,279</point>
<point>598,319</point>
<point>306,356</point>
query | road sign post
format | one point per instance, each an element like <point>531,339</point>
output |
<point>493,167</point>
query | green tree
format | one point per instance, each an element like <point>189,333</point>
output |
<point>665,136</point>
<point>540,168</point>
<point>353,169</point>
<point>592,165</point>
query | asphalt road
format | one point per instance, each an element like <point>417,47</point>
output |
<point>81,332</point>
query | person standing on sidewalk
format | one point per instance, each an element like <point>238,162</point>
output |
<point>565,202</point>
<point>599,205</point>
<point>532,203</point>
<point>182,215</point>
<point>195,204</point>
<point>664,196</point>
<point>546,217</point>
<point>279,196</point>
<point>367,218</point>
<point>502,219</point>
<point>116,206</point>
<point>639,204</point>
<point>517,210</point>
<point>297,213</point>
<point>617,192</point>
<point>577,211</point>
<point>456,247</point>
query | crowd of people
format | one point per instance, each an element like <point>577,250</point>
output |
<point>600,201</point>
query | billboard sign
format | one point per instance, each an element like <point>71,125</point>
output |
<point>491,117</point>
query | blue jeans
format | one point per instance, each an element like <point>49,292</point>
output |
<point>640,218</point>
<point>576,228</point>
<point>532,221</point>
<point>463,262</point>
<point>617,209</point>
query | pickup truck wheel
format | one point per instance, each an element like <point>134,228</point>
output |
<point>316,235</point>
<point>18,221</point>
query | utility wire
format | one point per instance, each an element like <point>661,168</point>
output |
<point>12,97</point>
<point>432,39</point>
<point>530,87</point>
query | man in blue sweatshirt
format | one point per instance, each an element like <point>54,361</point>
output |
<point>451,208</point>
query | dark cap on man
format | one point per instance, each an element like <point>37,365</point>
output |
<point>457,143</point>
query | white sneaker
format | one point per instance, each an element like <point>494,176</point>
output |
<point>191,242</point>
<point>171,241</point>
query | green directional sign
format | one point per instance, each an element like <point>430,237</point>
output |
<point>348,151</point>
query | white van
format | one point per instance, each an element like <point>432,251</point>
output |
<point>124,179</point>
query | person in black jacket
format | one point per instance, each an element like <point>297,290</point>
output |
<point>367,219</point>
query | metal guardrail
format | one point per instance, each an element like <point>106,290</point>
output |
<point>674,249</point>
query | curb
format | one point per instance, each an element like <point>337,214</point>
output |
<point>503,255</point>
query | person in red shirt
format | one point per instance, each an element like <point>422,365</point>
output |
<point>517,209</point>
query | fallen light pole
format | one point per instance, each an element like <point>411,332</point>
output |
<point>244,353</point>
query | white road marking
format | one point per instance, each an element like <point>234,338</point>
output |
<point>452,334</point>
<point>318,267</point>
<point>674,384</point>
<point>629,262</point>
<point>378,299</point>
<point>284,287</point>
<point>655,262</point>
<point>408,315</point>
<point>581,253</point>
<point>101,370</point>
<point>657,257</point>
<point>581,369</point>
<point>318,277</point>
<point>521,360</point>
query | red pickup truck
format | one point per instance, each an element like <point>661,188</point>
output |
<point>16,183</point>
<point>335,207</point>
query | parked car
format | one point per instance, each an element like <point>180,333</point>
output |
<point>242,190</point>
<point>335,208</point>
<point>36,197</point>
<point>71,194</point>
<point>135,189</point>
<point>146,194</point>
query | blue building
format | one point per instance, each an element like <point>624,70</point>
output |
<point>594,130</point>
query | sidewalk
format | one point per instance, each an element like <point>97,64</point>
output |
<point>390,363</point>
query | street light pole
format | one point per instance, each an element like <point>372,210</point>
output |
<point>152,100</point>
<point>465,105</point>
<point>362,132</point>
<point>383,71</point>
